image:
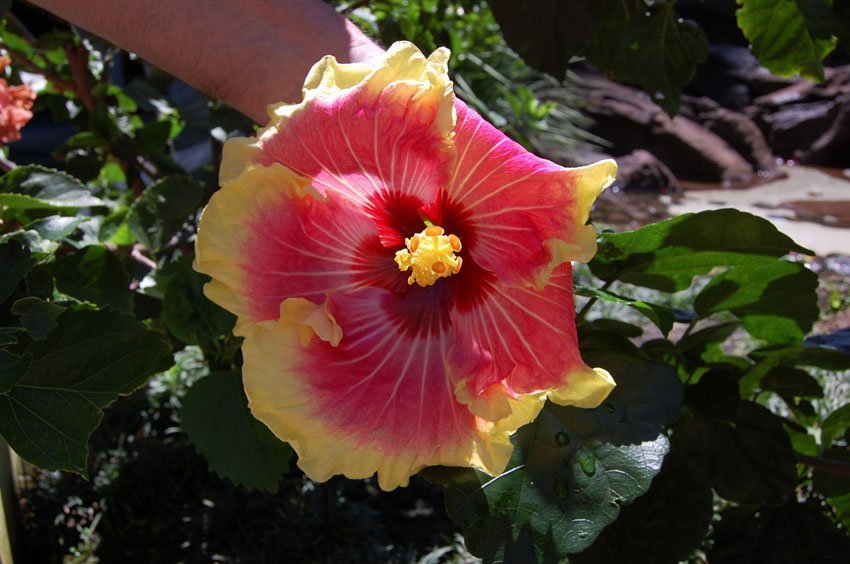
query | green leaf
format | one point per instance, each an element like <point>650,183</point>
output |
<point>835,424</point>
<point>188,313</point>
<point>665,525</point>
<point>90,359</point>
<point>793,532</point>
<point>668,255</point>
<point>661,316</point>
<point>776,302</point>
<point>788,36</point>
<point>95,275</point>
<point>115,229</point>
<point>15,261</point>
<point>56,227</point>
<point>749,456</point>
<point>36,187</point>
<point>571,468</point>
<point>163,209</point>
<point>38,317</point>
<point>216,418</point>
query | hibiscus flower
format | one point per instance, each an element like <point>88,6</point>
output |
<point>15,105</point>
<point>400,271</point>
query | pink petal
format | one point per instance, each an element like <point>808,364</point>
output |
<point>382,144</point>
<point>519,207</point>
<point>529,333</point>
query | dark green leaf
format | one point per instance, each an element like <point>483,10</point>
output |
<point>15,262</point>
<point>153,136</point>
<point>788,36</point>
<point>749,457</point>
<point>832,474</point>
<point>571,468</point>
<point>835,424</point>
<point>36,187</point>
<point>792,382</point>
<point>12,369</point>
<point>650,46</point>
<point>661,316</point>
<point>163,209</point>
<point>665,525</point>
<point>216,417</point>
<point>631,40</point>
<point>818,357</point>
<point>696,342</point>
<point>546,48</point>
<point>188,313</point>
<point>38,317</point>
<point>90,359</point>
<point>794,532</point>
<point>776,302</point>
<point>95,275</point>
<point>667,255</point>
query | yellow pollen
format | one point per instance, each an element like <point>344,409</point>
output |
<point>430,255</point>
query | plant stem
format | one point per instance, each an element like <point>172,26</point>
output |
<point>689,328</point>
<point>829,464</point>
<point>590,302</point>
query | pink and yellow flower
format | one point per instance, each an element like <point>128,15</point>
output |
<point>401,273</point>
<point>15,105</point>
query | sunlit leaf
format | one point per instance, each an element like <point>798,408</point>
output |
<point>36,187</point>
<point>668,255</point>
<point>789,36</point>
<point>776,302</point>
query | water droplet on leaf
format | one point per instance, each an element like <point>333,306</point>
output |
<point>562,439</point>
<point>586,460</point>
<point>609,407</point>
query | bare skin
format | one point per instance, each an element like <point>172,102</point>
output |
<point>248,53</point>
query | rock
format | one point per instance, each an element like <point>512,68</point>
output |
<point>738,130</point>
<point>793,126</point>
<point>832,148</point>
<point>629,120</point>
<point>641,171</point>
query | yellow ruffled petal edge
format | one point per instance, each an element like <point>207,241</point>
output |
<point>224,228</point>
<point>403,62</point>
<point>279,398</point>
<point>590,181</point>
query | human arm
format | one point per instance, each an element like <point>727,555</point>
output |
<point>248,53</point>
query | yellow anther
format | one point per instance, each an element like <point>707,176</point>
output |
<point>430,255</point>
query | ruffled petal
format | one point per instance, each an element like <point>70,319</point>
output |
<point>531,336</point>
<point>526,215</point>
<point>380,400</point>
<point>267,236</point>
<point>379,137</point>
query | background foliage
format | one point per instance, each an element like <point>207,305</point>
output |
<point>718,444</point>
